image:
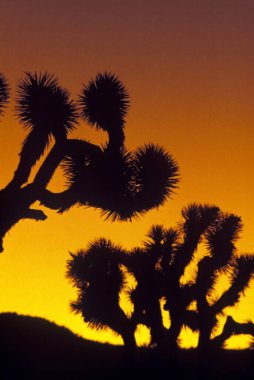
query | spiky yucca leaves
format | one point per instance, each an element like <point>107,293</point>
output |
<point>98,264</point>
<point>102,183</point>
<point>155,236</point>
<point>99,280</point>
<point>220,242</point>
<point>4,92</point>
<point>171,251</point>
<point>197,219</point>
<point>170,242</point>
<point>241,271</point>
<point>153,266</point>
<point>156,175</point>
<point>154,244</point>
<point>221,238</point>
<point>160,243</point>
<point>121,184</point>
<point>43,104</point>
<point>104,102</point>
<point>158,268</point>
<point>45,110</point>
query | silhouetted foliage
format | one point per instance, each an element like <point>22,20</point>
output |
<point>159,268</point>
<point>121,184</point>
<point>45,110</point>
<point>104,102</point>
<point>4,92</point>
<point>99,279</point>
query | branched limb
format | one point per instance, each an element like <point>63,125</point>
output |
<point>191,319</point>
<point>57,201</point>
<point>242,273</point>
<point>122,185</point>
<point>67,148</point>
<point>33,148</point>
<point>231,327</point>
<point>35,214</point>
<point>15,202</point>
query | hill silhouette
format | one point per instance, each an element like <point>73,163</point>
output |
<point>34,348</point>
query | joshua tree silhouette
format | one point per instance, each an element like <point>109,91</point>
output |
<point>159,266</point>
<point>121,184</point>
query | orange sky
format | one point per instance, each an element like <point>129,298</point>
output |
<point>188,66</point>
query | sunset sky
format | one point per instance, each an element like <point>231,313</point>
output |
<point>188,67</point>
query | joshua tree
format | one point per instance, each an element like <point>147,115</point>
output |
<point>121,184</point>
<point>219,232</point>
<point>159,266</point>
<point>220,240</point>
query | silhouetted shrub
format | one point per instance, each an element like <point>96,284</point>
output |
<point>158,267</point>
<point>121,184</point>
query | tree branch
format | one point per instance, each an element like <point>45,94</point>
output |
<point>231,327</point>
<point>56,201</point>
<point>34,214</point>
<point>67,148</point>
<point>15,202</point>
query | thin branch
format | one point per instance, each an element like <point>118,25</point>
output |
<point>56,201</point>
<point>35,214</point>
<point>66,148</point>
<point>231,327</point>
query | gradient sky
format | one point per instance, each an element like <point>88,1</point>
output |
<point>188,66</point>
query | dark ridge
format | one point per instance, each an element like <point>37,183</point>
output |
<point>34,348</point>
<point>31,347</point>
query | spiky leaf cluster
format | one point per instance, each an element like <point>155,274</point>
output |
<point>43,104</point>
<point>221,237</point>
<point>119,183</point>
<point>241,272</point>
<point>104,102</point>
<point>98,266</point>
<point>99,279</point>
<point>156,175</point>
<point>159,263</point>
<point>103,183</point>
<point>4,92</point>
<point>123,184</point>
<point>197,219</point>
